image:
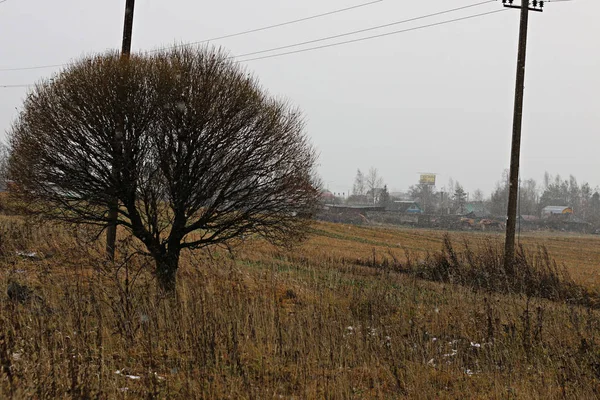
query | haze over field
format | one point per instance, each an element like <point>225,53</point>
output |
<point>259,217</point>
<point>437,99</point>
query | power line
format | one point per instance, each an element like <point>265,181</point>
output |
<point>14,86</point>
<point>356,40</point>
<point>265,28</point>
<point>365,30</point>
<point>285,23</point>
<point>30,68</point>
<point>269,26</point>
<point>374,36</point>
<point>219,37</point>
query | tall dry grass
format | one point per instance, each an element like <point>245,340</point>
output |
<point>270,324</point>
<point>480,265</point>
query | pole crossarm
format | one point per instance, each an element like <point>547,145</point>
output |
<point>535,5</point>
<point>519,7</point>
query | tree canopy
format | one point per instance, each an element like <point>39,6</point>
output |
<point>202,153</point>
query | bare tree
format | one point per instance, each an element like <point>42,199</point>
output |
<point>460,198</point>
<point>478,196</point>
<point>384,197</point>
<point>425,195</point>
<point>205,155</point>
<point>528,197</point>
<point>499,197</point>
<point>358,189</point>
<point>374,183</point>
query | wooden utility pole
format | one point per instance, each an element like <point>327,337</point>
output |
<point>128,27</point>
<point>513,186</point>
<point>113,212</point>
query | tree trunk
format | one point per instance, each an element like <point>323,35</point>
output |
<point>166,270</point>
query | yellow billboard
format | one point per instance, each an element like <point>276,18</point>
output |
<point>427,179</point>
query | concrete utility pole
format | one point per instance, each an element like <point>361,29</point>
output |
<point>113,212</point>
<point>513,187</point>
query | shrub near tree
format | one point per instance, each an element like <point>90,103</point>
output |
<point>202,154</point>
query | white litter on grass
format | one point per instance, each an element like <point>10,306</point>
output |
<point>134,377</point>
<point>350,330</point>
<point>469,372</point>
<point>475,345</point>
<point>431,362</point>
<point>452,354</point>
<point>26,254</point>
<point>434,339</point>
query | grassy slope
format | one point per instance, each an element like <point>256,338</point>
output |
<point>302,324</point>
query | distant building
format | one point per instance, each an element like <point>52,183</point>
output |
<point>554,211</point>
<point>354,208</point>
<point>407,207</point>
<point>476,209</point>
<point>400,196</point>
<point>327,196</point>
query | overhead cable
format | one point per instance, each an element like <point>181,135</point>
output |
<point>216,38</point>
<point>269,26</point>
<point>366,29</point>
<point>421,27</point>
<point>374,36</point>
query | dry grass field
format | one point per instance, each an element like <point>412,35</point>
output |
<point>580,254</point>
<point>309,323</point>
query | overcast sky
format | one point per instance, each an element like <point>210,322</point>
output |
<point>437,99</point>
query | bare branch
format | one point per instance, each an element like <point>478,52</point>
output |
<point>204,156</point>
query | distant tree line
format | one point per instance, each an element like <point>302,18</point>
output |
<point>370,189</point>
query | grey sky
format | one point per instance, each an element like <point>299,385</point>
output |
<point>432,100</point>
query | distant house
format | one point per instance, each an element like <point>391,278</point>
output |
<point>554,211</point>
<point>407,207</point>
<point>327,196</point>
<point>476,209</point>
